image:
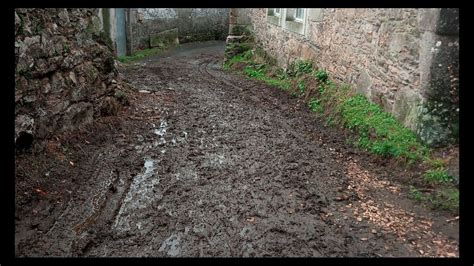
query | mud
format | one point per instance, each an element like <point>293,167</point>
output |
<point>207,163</point>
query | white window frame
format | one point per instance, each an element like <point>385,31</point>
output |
<point>277,14</point>
<point>302,14</point>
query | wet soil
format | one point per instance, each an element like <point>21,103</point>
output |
<point>207,163</point>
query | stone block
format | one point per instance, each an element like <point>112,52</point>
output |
<point>164,38</point>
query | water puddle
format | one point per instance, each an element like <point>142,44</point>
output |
<point>161,131</point>
<point>140,195</point>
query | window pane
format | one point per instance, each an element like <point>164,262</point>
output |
<point>299,13</point>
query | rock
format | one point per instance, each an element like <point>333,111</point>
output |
<point>58,62</point>
<point>63,18</point>
<point>121,97</point>
<point>17,22</point>
<point>29,99</point>
<point>164,38</point>
<point>79,93</point>
<point>72,77</point>
<point>57,82</point>
<point>77,114</point>
<point>109,107</point>
<point>24,123</point>
<point>233,39</point>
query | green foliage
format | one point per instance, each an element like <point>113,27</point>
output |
<point>282,84</point>
<point>299,67</point>
<point>380,132</point>
<point>255,71</point>
<point>140,55</point>
<point>438,175</point>
<point>241,30</point>
<point>315,105</point>
<point>301,86</point>
<point>304,66</point>
<point>237,48</point>
<point>417,195</point>
<point>377,131</point>
<point>258,71</point>
<point>321,90</point>
<point>244,57</point>
<point>445,198</point>
<point>281,74</point>
<point>321,75</point>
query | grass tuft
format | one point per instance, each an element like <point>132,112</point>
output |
<point>140,55</point>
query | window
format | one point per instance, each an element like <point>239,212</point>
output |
<point>274,16</point>
<point>299,14</point>
<point>277,12</point>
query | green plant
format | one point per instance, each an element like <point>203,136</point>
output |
<point>241,57</point>
<point>417,195</point>
<point>301,86</point>
<point>321,75</point>
<point>255,71</point>
<point>140,55</point>
<point>315,105</point>
<point>281,74</point>
<point>438,175</point>
<point>376,130</point>
<point>321,90</point>
<point>380,132</point>
<point>447,199</point>
<point>299,68</point>
<point>303,66</point>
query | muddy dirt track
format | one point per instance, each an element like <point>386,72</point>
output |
<point>207,163</point>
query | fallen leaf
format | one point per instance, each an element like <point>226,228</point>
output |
<point>454,219</point>
<point>251,219</point>
<point>71,163</point>
<point>41,191</point>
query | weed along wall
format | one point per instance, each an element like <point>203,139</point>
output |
<point>405,60</point>
<point>65,73</point>
<point>152,27</point>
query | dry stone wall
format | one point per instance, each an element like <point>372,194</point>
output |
<point>192,24</point>
<point>65,71</point>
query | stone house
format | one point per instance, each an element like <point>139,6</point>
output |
<point>406,60</point>
<point>132,29</point>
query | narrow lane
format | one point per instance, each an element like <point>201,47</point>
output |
<point>208,163</point>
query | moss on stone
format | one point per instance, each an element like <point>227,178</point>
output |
<point>164,38</point>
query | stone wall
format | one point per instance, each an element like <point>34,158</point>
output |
<point>192,24</point>
<point>65,71</point>
<point>404,59</point>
